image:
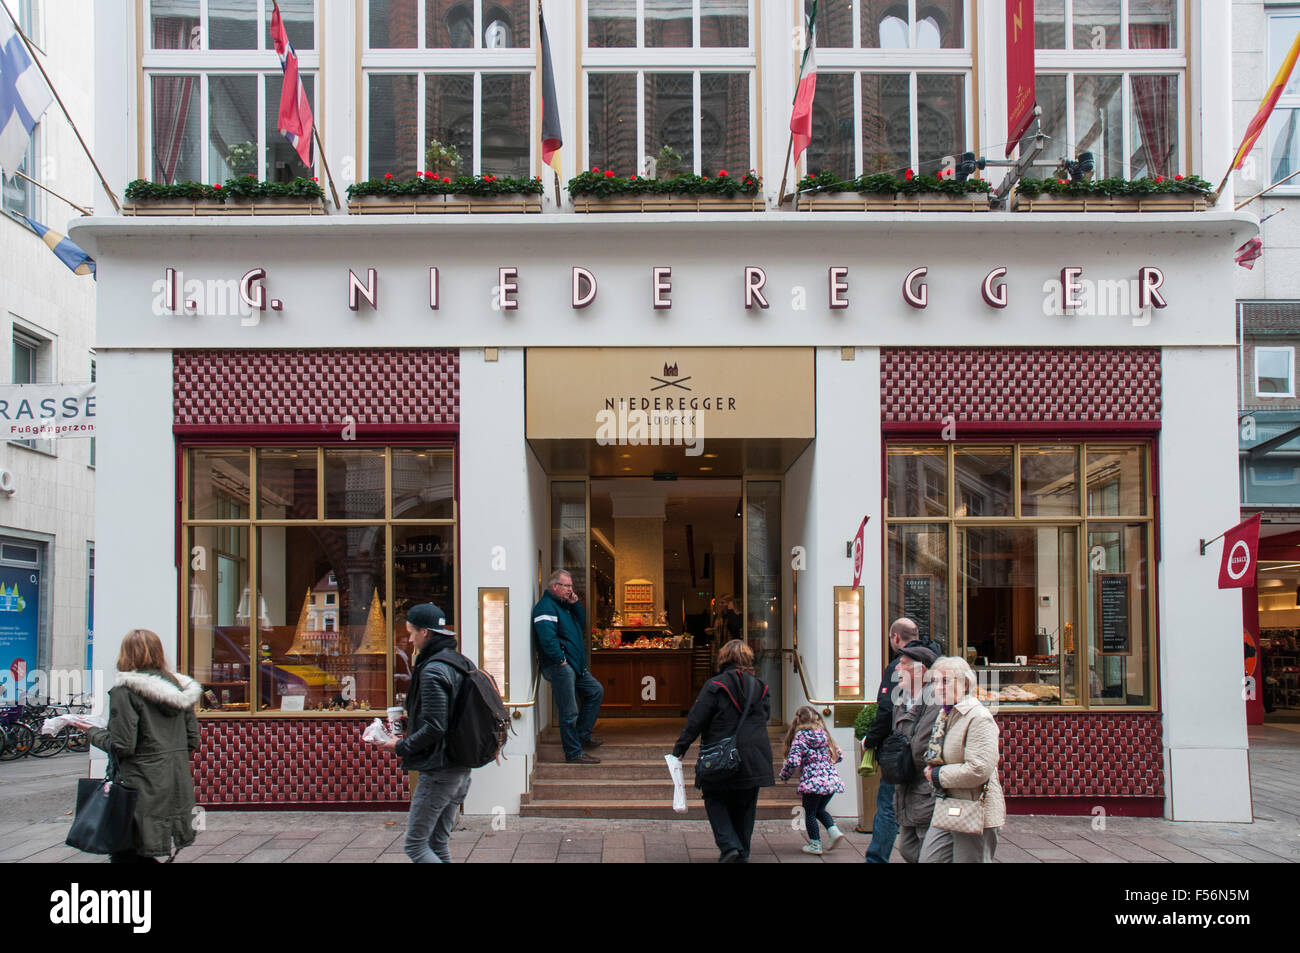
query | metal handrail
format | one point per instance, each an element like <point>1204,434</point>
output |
<point>532,701</point>
<point>797,660</point>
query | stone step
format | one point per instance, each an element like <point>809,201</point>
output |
<point>613,770</point>
<point>603,789</point>
<point>646,810</point>
<point>553,751</point>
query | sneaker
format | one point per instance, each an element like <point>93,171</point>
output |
<point>835,835</point>
<point>813,847</point>
<point>583,758</point>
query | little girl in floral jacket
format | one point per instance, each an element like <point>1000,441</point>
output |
<point>810,750</point>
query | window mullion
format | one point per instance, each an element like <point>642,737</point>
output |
<point>477,166</point>
<point>262,144</point>
<point>478,24</point>
<point>261,25</point>
<point>420,13</point>
<point>1069,24</point>
<point>915,160</point>
<point>911,29</point>
<point>1070,136</point>
<point>696,37</point>
<point>1126,140</point>
<point>203,29</point>
<point>857,116</point>
<point>1123,24</point>
<point>640,122</point>
<point>204,119</point>
<point>640,24</point>
<point>422,106</point>
<point>696,99</point>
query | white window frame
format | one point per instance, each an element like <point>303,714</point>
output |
<point>1287,102</point>
<point>475,61</point>
<point>1128,63</point>
<point>694,59</point>
<point>202,63</point>
<point>825,52</point>
<point>45,344</point>
<point>1290,355</point>
<point>31,166</point>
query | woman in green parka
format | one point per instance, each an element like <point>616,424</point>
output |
<point>152,730</point>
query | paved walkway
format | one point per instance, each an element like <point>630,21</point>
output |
<point>36,801</point>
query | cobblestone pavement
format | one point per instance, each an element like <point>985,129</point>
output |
<point>36,801</point>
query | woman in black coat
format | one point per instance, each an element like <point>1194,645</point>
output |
<point>732,804</point>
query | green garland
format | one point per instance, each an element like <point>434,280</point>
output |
<point>887,183</point>
<point>600,184</point>
<point>1159,185</point>
<point>428,183</point>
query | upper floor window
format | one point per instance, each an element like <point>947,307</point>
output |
<point>32,362</point>
<point>19,194</point>
<point>432,106</point>
<point>670,86</point>
<point>1274,372</point>
<point>449,24</point>
<point>1283,136</point>
<point>214,84</point>
<point>893,86</point>
<point>1112,80</point>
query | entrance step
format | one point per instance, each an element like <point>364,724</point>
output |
<point>648,810</point>
<point>617,770</point>
<point>604,789</point>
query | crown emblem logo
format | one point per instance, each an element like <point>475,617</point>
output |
<point>670,370</point>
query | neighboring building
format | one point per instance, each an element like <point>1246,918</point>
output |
<point>47,535</point>
<point>1037,482</point>
<point>1268,311</point>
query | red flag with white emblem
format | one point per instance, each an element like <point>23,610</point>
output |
<point>1240,550</point>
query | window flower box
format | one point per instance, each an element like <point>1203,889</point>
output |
<point>181,198</point>
<point>430,194</point>
<point>884,192</point>
<point>603,191</point>
<point>1159,194</point>
<point>239,196</point>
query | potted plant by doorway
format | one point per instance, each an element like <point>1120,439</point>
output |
<point>602,190</point>
<point>868,784</point>
<point>886,192</point>
<point>178,198</point>
<point>1177,193</point>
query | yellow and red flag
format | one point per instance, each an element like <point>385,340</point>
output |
<point>1256,126</point>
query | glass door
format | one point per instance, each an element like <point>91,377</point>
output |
<point>763,563</point>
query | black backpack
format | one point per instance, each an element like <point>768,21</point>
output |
<point>479,720</point>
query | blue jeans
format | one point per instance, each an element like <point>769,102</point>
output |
<point>437,798</point>
<point>884,829</point>
<point>577,703</point>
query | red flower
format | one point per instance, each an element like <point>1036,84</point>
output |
<point>609,173</point>
<point>722,173</point>
<point>537,178</point>
<point>216,185</point>
<point>251,176</point>
<point>446,179</point>
<point>909,175</point>
<point>632,176</point>
<point>1178,177</point>
<point>314,179</point>
<point>388,175</point>
<point>1060,181</point>
<point>595,169</point>
<point>1160,178</point>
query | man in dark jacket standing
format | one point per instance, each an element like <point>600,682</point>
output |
<point>443,786</point>
<point>559,635</point>
<point>884,828</point>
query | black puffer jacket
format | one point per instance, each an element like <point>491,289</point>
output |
<point>879,729</point>
<point>434,687</point>
<point>716,715</point>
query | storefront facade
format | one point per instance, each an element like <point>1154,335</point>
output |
<point>445,408</point>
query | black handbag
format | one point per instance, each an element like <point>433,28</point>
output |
<point>719,761</point>
<point>897,766</point>
<point>105,821</point>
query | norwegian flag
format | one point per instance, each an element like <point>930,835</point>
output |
<point>295,120</point>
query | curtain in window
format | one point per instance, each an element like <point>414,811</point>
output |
<point>172,96</point>
<point>1152,97</point>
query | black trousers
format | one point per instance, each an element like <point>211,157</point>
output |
<point>731,815</point>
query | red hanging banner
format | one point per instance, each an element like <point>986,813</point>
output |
<point>1240,551</point>
<point>1020,70</point>
<point>859,546</point>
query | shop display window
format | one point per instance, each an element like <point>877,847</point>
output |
<point>1048,585</point>
<point>300,606</point>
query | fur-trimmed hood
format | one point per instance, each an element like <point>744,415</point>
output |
<point>152,685</point>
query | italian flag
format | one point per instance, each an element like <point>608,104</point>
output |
<point>801,118</point>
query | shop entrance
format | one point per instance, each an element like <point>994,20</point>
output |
<point>669,570</point>
<point>1275,665</point>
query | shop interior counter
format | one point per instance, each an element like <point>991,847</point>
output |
<point>644,680</point>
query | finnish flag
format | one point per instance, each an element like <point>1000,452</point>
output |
<point>24,96</point>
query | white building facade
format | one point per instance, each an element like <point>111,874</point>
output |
<point>47,510</point>
<point>429,408</point>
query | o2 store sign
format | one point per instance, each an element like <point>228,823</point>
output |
<point>751,289</point>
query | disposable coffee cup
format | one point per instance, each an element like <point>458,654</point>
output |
<point>395,715</point>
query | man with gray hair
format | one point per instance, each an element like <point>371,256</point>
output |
<point>559,635</point>
<point>884,828</point>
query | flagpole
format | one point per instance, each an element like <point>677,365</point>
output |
<point>59,99</point>
<point>789,150</point>
<point>83,211</point>
<point>320,150</point>
<point>1279,182</point>
<point>557,188</point>
<point>785,170</point>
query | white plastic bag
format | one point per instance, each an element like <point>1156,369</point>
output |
<point>52,726</point>
<point>679,783</point>
<point>376,733</point>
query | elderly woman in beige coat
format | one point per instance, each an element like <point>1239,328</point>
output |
<point>968,761</point>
